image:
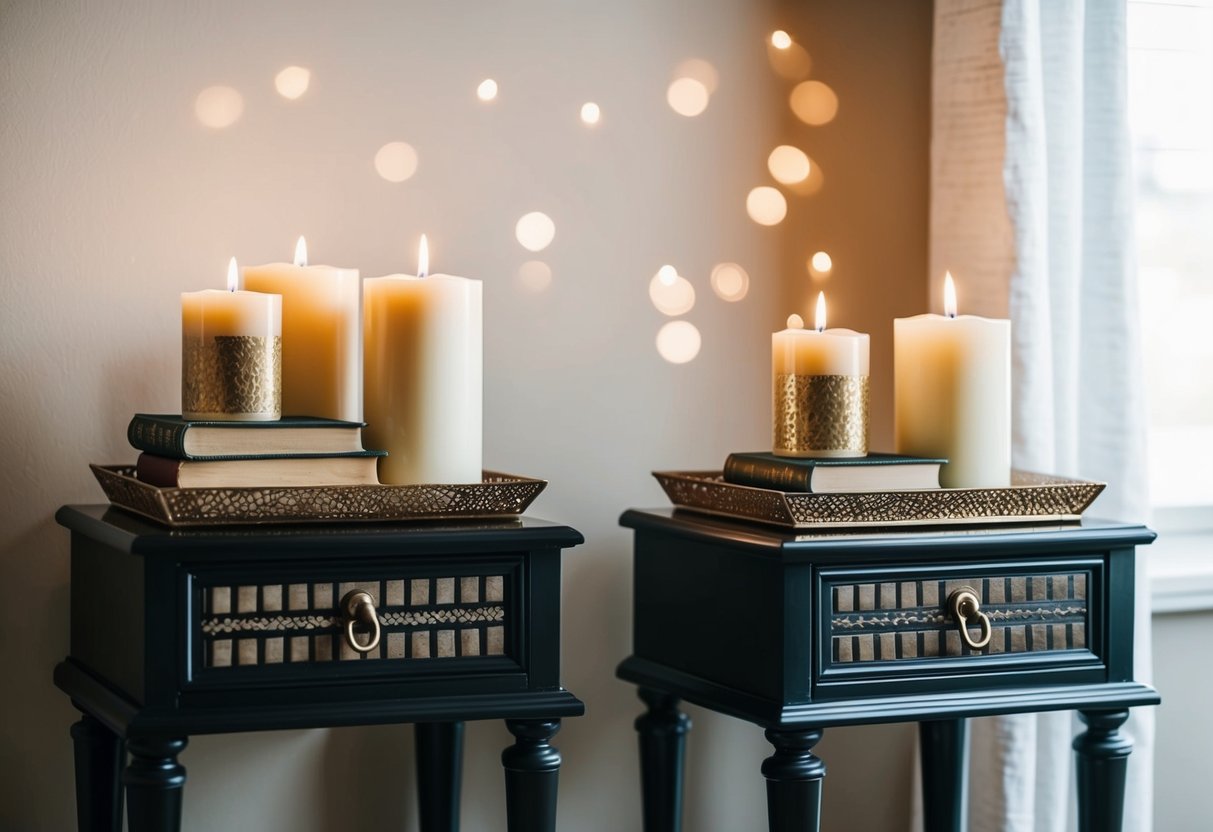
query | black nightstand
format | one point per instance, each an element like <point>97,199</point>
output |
<point>799,633</point>
<point>175,633</point>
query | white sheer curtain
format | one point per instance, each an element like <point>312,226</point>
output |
<point>1032,211</point>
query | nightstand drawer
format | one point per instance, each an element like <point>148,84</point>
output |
<point>410,617</point>
<point>909,621</point>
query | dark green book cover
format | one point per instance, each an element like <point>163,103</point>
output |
<point>169,435</point>
<point>762,469</point>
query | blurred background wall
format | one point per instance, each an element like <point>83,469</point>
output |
<point>126,178</point>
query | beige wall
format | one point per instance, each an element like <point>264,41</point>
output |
<point>113,199</point>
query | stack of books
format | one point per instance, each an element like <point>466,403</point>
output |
<point>293,451</point>
<point>874,472</point>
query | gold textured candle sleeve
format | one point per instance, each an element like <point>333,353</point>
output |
<point>232,377</point>
<point>821,416</point>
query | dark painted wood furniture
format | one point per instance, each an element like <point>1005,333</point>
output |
<point>176,633</point>
<point>799,633</point>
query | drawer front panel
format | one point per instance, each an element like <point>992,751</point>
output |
<point>898,620</point>
<point>291,625</point>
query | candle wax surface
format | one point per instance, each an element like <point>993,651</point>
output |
<point>423,377</point>
<point>321,337</point>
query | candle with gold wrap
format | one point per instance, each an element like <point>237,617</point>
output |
<point>423,375</point>
<point>952,393</point>
<point>321,335</point>
<point>231,354</point>
<point>820,389</point>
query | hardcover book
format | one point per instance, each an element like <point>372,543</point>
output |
<point>262,472</point>
<point>178,438</point>
<point>874,472</point>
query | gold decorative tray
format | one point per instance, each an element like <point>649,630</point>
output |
<point>1031,498</point>
<point>496,496</point>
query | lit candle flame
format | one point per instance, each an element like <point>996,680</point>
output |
<point>233,276</point>
<point>949,295</point>
<point>821,311</point>
<point>301,252</point>
<point>423,258</point>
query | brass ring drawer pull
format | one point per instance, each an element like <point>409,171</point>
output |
<point>358,607</point>
<point>964,606</point>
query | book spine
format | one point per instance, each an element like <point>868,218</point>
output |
<point>759,473</point>
<point>156,437</point>
<point>157,470</point>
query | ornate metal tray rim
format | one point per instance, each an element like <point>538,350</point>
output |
<point>1031,498</point>
<point>497,496</point>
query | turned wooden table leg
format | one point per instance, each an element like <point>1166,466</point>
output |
<point>439,749</point>
<point>99,759</point>
<point>532,770</point>
<point>154,783</point>
<point>945,774</point>
<point>794,778</point>
<point>1103,758</point>
<point>663,739</point>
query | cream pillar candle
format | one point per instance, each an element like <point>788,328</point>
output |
<point>423,376</point>
<point>952,393</point>
<point>231,354</point>
<point>820,389</point>
<point>321,335</point>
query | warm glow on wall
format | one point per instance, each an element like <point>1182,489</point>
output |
<point>730,282</point>
<point>487,90</point>
<point>292,82</point>
<point>535,231</point>
<point>218,106</point>
<point>766,205</point>
<point>678,342</point>
<point>788,164</point>
<point>687,97</point>
<point>396,161</point>
<point>535,275</point>
<point>590,113</point>
<point>671,293</point>
<point>814,103</point>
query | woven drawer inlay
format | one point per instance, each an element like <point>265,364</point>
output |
<point>420,618</point>
<point>888,621</point>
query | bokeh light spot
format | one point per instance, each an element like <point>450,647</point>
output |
<point>678,342</point>
<point>671,293</point>
<point>535,275</point>
<point>292,82</point>
<point>487,90</point>
<point>701,71</point>
<point>396,161</point>
<point>791,62</point>
<point>788,164</point>
<point>590,112</point>
<point>730,282</point>
<point>820,264</point>
<point>814,103</point>
<point>687,97</point>
<point>535,231</point>
<point>780,39</point>
<point>218,106</point>
<point>766,205</point>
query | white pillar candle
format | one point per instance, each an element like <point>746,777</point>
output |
<point>231,349</point>
<point>952,393</point>
<point>423,376</point>
<point>321,335</point>
<point>820,389</point>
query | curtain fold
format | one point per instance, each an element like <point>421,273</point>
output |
<point>1052,246</point>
